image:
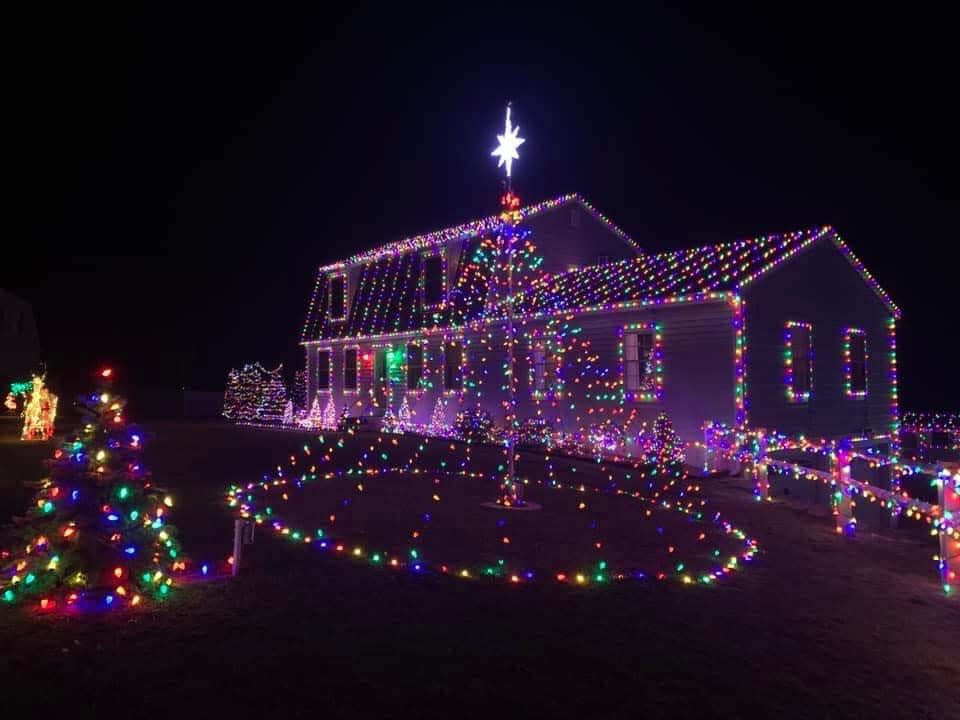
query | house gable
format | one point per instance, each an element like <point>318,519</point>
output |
<point>826,290</point>
<point>684,274</point>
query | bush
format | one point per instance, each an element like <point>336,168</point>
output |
<point>474,425</point>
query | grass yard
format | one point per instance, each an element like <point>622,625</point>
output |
<point>817,627</point>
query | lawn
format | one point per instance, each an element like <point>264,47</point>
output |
<point>818,625</point>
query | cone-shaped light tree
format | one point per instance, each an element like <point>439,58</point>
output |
<point>97,533</point>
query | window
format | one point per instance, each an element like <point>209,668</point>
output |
<point>539,363</point>
<point>414,366</point>
<point>433,280</point>
<point>574,217</point>
<point>452,366</point>
<point>350,369</point>
<point>338,297</point>
<point>636,359</point>
<point>641,362</point>
<point>323,370</point>
<point>798,359</point>
<point>603,259</point>
<point>855,362</point>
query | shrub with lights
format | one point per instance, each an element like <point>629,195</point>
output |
<point>96,534</point>
<point>474,425</point>
<point>255,394</point>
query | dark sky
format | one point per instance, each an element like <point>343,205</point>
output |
<point>173,179</point>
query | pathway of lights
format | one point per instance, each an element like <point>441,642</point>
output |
<point>382,456</point>
<point>756,449</point>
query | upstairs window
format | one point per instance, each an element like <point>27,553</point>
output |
<point>350,369</point>
<point>323,370</point>
<point>798,359</point>
<point>574,217</point>
<point>640,355</point>
<point>433,280</point>
<point>414,366</point>
<point>452,366</point>
<point>855,362</point>
<point>338,297</point>
<point>539,368</point>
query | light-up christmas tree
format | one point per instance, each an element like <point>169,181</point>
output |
<point>288,413</point>
<point>314,418</point>
<point>389,421</point>
<point>96,534</point>
<point>515,266</point>
<point>329,419</point>
<point>666,446</point>
<point>438,422</point>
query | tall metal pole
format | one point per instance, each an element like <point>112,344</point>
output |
<point>511,391</point>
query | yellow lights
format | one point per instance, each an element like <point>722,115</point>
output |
<point>39,412</point>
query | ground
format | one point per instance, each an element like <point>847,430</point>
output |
<point>818,627</point>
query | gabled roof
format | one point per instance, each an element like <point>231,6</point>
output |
<point>726,267</point>
<point>386,298</point>
<point>475,228</point>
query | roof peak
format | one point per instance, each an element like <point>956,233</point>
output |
<point>473,228</point>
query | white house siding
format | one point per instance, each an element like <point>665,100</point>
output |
<point>698,370</point>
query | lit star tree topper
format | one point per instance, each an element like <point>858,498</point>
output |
<point>509,142</point>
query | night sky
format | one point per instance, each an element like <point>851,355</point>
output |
<point>173,180</point>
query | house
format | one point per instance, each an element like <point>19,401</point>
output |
<point>19,342</point>
<point>786,332</point>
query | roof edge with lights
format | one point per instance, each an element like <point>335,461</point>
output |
<point>473,228</point>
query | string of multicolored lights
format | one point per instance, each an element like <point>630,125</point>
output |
<point>764,453</point>
<point>356,462</point>
<point>254,394</point>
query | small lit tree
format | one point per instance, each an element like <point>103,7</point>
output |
<point>666,447</point>
<point>97,531</point>
<point>329,420</point>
